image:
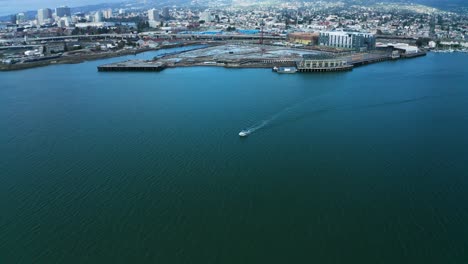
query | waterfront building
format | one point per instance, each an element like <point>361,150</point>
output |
<point>347,40</point>
<point>43,16</point>
<point>305,38</point>
<point>62,11</point>
<point>323,65</point>
<point>55,47</point>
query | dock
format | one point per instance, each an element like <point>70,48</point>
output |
<point>133,65</point>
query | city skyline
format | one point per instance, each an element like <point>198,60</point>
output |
<point>12,7</point>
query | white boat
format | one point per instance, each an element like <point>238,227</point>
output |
<point>286,70</point>
<point>243,133</point>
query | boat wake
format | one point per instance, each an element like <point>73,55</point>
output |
<point>266,122</point>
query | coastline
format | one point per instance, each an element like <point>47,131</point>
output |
<point>87,57</point>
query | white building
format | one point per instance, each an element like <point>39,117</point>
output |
<point>98,17</point>
<point>43,16</point>
<point>20,18</point>
<point>153,15</point>
<point>95,24</point>
<point>107,13</point>
<point>404,46</point>
<point>154,23</point>
<point>347,40</point>
<point>206,16</point>
<point>65,22</point>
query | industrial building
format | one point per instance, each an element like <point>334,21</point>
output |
<point>347,40</point>
<point>305,38</point>
<point>322,63</point>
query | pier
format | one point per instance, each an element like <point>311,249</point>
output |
<point>255,56</point>
<point>325,65</point>
<point>133,65</point>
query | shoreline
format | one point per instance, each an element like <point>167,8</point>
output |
<point>86,57</point>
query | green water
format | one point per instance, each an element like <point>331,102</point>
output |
<point>367,166</point>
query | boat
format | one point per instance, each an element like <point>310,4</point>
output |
<point>243,133</point>
<point>286,70</point>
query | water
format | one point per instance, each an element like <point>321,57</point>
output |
<point>367,166</point>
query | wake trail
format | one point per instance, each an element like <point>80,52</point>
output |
<point>275,116</point>
<point>272,118</point>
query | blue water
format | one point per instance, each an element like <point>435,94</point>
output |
<point>367,166</point>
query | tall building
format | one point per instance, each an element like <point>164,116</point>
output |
<point>13,19</point>
<point>63,11</point>
<point>165,13</point>
<point>44,15</point>
<point>98,17</point>
<point>107,13</point>
<point>20,18</point>
<point>347,40</point>
<point>153,15</point>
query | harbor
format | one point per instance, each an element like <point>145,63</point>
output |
<point>262,56</point>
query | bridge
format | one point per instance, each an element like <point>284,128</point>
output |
<point>159,35</point>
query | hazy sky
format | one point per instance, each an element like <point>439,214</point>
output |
<point>14,6</point>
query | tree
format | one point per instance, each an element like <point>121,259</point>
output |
<point>142,25</point>
<point>121,44</point>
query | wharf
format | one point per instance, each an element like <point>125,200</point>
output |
<point>414,55</point>
<point>133,65</point>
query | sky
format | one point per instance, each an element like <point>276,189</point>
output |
<point>14,6</point>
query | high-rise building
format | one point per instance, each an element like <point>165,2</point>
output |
<point>165,13</point>
<point>20,18</point>
<point>63,11</point>
<point>13,19</point>
<point>43,15</point>
<point>107,13</point>
<point>98,16</point>
<point>153,15</point>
